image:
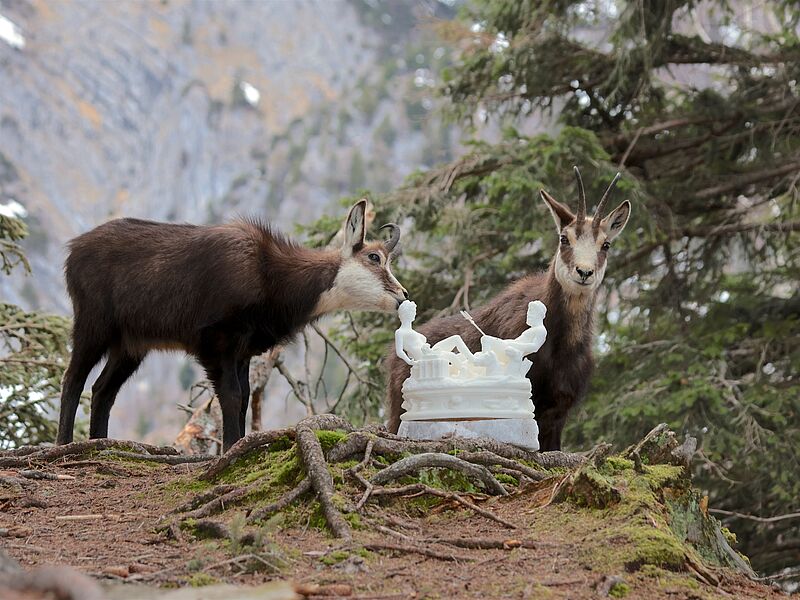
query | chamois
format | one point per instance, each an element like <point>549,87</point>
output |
<point>222,293</point>
<point>562,367</point>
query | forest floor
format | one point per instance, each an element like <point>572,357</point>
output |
<point>104,521</point>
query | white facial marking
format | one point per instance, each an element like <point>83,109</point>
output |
<point>355,288</point>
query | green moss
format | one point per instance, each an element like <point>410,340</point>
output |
<point>651,546</point>
<point>619,590</point>
<point>616,464</point>
<point>729,535</point>
<point>316,519</point>
<point>334,557</point>
<point>328,439</point>
<point>659,476</point>
<point>185,485</point>
<point>354,520</point>
<point>201,580</point>
<point>503,478</point>
<point>588,487</point>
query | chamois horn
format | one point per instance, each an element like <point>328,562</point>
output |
<point>391,243</point>
<point>598,214</point>
<point>581,216</point>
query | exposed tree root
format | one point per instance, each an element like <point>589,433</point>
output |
<point>317,468</point>
<point>299,490</point>
<point>379,452</point>
<point>257,439</point>
<point>413,464</point>
<point>219,503</point>
<point>48,454</point>
<point>490,458</point>
<point>159,458</point>
<point>356,443</point>
<point>204,498</point>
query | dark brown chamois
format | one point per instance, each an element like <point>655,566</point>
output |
<point>563,366</point>
<point>222,293</point>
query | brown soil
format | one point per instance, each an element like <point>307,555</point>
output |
<point>118,504</point>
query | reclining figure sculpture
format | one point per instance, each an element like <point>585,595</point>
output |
<point>453,391</point>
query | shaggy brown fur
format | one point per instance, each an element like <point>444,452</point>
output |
<point>221,293</point>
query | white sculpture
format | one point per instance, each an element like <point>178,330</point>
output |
<point>452,391</point>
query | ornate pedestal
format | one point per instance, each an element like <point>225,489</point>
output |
<point>453,392</point>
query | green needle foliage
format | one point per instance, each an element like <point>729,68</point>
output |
<point>33,355</point>
<point>699,315</point>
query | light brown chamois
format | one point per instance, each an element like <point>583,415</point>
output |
<point>563,366</point>
<point>222,293</point>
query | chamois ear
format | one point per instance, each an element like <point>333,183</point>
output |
<point>615,222</point>
<point>355,228</point>
<point>561,214</point>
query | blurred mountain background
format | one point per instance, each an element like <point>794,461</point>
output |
<point>194,111</point>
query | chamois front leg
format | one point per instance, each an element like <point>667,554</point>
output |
<point>224,375</point>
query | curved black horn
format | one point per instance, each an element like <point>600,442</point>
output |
<point>598,214</point>
<point>391,243</point>
<point>581,216</point>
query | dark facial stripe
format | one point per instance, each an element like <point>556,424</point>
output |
<point>567,254</point>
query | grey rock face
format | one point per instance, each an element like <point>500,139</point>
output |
<point>187,110</point>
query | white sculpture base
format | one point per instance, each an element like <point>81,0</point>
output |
<point>444,398</point>
<point>523,432</point>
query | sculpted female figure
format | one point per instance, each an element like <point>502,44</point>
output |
<point>409,345</point>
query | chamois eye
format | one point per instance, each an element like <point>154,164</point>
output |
<point>374,257</point>
<point>606,246</point>
<point>564,240</point>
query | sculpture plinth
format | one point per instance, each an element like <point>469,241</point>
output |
<point>452,391</point>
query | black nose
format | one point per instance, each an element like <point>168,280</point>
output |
<point>584,275</point>
<point>405,294</point>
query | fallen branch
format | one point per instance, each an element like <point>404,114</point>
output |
<point>775,519</point>
<point>34,474</point>
<point>487,543</point>
<point>417,550</point>
<point>421,488</point>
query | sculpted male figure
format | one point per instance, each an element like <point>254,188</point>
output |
<point>499,355</point>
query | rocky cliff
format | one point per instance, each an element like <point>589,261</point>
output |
<point>196,111</point>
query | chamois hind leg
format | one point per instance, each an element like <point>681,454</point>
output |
<point>86,353</point>
<point>243,373</point>
<point>224,375</point>
<point>116,372</point>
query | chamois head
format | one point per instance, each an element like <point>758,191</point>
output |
<point>580,263</point>
<point>364,280</point>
